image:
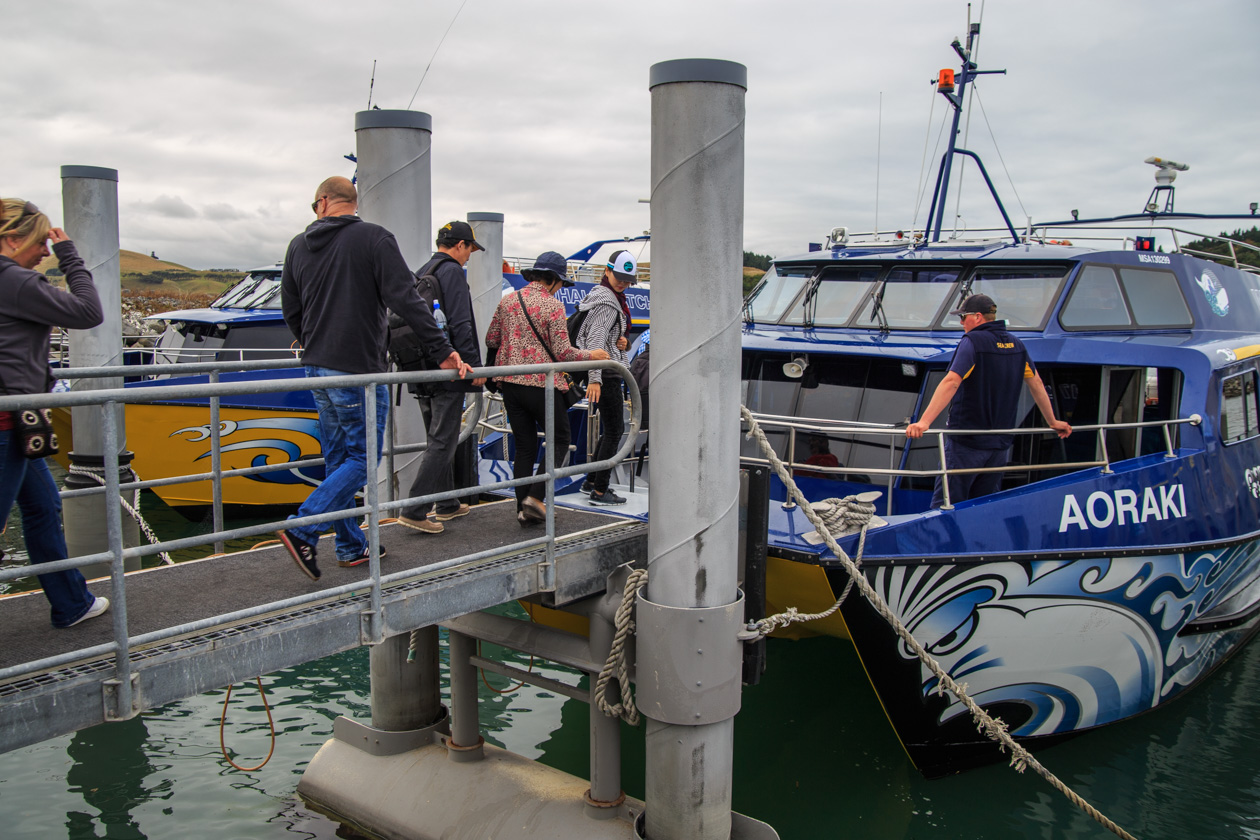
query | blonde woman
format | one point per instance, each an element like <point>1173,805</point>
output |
<point>29,307</point>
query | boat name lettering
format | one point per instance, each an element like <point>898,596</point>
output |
<point>1121,507</point>
<point>1154,258</point>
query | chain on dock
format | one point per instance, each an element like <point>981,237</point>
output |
<point>97,474</point>
<point>993,728</point>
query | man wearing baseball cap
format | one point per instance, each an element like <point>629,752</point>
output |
<point>442,403</point>
<point>607,327</point>
<point>982,392</point>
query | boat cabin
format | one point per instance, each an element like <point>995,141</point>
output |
<point>858,338</point>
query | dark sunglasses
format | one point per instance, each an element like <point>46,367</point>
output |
<point>315,203</point>
<point>28,210</point>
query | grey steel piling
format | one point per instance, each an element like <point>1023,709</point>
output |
<point>89,196</point>
<point>395,177</point>
<point>485,270</point>
<point>688,659</point>
<point>395,191</point>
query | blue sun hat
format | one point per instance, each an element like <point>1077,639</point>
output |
<point>549,267</point>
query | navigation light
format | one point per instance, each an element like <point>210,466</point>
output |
<point>1144,243</point>
<point>945,81</point>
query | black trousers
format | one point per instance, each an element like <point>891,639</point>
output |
<point>612,424</point>
<point>526,410</point>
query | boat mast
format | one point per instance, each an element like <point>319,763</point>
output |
<point>946,87</point>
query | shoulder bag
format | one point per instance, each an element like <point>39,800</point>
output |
<point>574,395</point>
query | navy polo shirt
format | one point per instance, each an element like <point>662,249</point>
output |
<point>993,365</point>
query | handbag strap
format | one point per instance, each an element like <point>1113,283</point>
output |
<point>521,296</point>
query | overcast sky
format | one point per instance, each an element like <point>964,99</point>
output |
<point>221,118</point>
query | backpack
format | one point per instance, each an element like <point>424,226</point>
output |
<point>574,323</point>
<point>405,350</point>
<point>640,369</point>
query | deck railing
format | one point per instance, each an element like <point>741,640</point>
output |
<point>373,508</point>
<point>896,433</point>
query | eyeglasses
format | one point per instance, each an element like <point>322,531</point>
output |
<point>315,203</point>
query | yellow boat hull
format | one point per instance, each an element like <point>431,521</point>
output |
<point>173,440</point>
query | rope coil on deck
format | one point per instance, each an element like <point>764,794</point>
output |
<point>617,663</point>
<point>991,727</point>
<point>97,474</point>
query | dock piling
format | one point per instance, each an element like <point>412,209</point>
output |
<point>689,688</point>
<point>89,197</point>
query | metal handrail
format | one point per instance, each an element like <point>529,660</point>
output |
<point>823,426</point>
<point>117,553</point>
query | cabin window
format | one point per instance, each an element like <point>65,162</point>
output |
<point>778,289</point>
<point>836,296</point>
<point>1239,418</point>
<point>912,297</point>
<point>1155,298</point>
<point>1024,297</point>
<point>251,343</point>
<point>848,389</point>
<point>1105,297</point>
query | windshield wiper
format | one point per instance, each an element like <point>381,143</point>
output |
<point>877,311</point>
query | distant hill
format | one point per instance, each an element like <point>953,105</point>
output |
<point>1245,255</point>
<point>144,273</point>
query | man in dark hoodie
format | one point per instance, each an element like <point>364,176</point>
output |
<point>339,277</point>
<point>442,403</point>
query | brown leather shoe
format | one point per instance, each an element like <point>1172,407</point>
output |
<point>424,526</point>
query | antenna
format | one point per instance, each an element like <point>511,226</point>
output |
<point>435,51</point>
<point>371,84</point>
<point>879,137</point>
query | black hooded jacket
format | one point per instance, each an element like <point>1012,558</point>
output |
<point>340,275</point>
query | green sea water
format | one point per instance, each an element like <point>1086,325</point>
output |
<point>814,757</point>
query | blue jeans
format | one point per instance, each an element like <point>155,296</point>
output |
<point>343,438</point>
<point>31,485</point>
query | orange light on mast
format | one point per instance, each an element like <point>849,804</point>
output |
<point>945,81</point>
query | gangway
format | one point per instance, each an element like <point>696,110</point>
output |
<point>195,626</point>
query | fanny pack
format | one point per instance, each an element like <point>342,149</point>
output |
<point>38,438</point>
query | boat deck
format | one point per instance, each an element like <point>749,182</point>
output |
<point>39,705</point>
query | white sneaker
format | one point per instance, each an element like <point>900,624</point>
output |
<point>99,607</point>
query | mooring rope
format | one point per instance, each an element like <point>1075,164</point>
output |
<point>97,474</point>
<point>991,727</point>
<point>617,663</point>
<point>271,723</point>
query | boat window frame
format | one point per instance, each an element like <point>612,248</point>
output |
<point>1251,422</point>
<point>1133,325</point>
<point>942,310</point>
<point>815,283</point>
<point>968,280</point>
<point>810,280</point>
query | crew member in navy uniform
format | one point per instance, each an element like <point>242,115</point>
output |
<point>442,403</point>
<point>982,392</point>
